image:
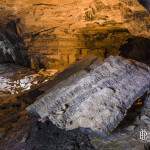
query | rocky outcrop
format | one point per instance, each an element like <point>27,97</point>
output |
<point>12,48</point>
<point>58,33</point>
<point>95,100</point>
<point>9,53</point>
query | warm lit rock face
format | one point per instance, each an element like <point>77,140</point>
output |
<point>97,99</point>
<point>64,31</point>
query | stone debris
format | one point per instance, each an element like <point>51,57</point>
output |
<point>95,100</point>
<point>16,79</point>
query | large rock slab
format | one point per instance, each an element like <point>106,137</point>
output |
<point>95,100</point>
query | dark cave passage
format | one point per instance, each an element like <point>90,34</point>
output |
<point>137,48</point>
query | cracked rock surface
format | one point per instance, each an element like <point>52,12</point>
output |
<point>97,100</point>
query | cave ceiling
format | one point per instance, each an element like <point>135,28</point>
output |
<point>60,29</point>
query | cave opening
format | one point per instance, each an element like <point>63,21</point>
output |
<point>136,48</point>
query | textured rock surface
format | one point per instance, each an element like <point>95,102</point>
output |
<point>10,52</point>
<point>95,101</point>
<point>7,50</point>
<point>61,30</point>
<point>12,46</point>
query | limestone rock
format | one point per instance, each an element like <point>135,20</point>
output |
<point>94,101</point>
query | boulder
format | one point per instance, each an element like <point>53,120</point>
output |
<point>94,100</point>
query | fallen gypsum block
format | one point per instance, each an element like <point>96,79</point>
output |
<point>95,101</point>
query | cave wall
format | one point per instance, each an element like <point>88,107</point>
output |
<point>60,32</point>
<point>12,46</point>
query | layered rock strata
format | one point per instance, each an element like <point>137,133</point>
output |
<point>60,32</point>
<point>96,99</point>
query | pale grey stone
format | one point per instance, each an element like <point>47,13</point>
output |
<point>95,101</point>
